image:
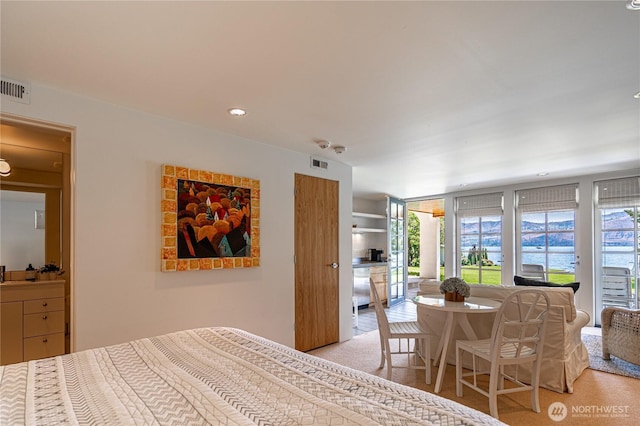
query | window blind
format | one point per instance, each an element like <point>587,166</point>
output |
<point>562,197</point>
<point>480,205</point>
<point>615,193</point>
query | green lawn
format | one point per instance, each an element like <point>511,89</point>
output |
<point>491,275</point>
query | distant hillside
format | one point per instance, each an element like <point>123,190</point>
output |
<point>612,221</point>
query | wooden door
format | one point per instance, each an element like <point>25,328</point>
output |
<point>316,267</point>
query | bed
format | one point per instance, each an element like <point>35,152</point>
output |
<point>213,375</point>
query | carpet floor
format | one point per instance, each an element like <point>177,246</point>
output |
<point>599,398</point>
<point>614,365</point>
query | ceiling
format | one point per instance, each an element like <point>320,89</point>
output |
<point>428,97</point>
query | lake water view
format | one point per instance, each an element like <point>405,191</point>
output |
<point>562,258</point>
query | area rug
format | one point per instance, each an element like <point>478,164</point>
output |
<point>614,365</point>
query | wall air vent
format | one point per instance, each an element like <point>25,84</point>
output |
<point>16,90</point>
<point>317,163</point>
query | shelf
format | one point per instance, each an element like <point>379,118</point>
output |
<point>369,215</point>
<point>357,230</point>
<point>371,222</point>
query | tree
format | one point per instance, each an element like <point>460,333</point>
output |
<point>413,231</point>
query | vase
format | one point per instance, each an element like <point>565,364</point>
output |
<point>452,296</point>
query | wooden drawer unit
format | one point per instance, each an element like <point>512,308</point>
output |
<point>43,346</point>
<point>43,305</point>
<point>32,320</point>
<point>43,323</point>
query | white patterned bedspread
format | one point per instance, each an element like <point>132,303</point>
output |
<point>211,376</point>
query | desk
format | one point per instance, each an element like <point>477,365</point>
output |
<point>456,314</point>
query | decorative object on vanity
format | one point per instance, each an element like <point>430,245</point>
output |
<point>209,220</point>
<point>30,273</point>
<point>50,271</point>
<point>455,289</point>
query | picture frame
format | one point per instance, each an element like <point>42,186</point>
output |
<point>209,220</point>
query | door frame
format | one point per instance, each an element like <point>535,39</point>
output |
<point>392,261</point>
<point>68,195</point>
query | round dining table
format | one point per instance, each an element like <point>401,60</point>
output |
<point>456,314</point>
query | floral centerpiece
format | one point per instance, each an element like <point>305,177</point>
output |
<point>455,289</point>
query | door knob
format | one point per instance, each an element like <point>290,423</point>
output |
<point>334,265</point>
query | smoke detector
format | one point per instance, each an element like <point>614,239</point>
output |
<point>324,144</point>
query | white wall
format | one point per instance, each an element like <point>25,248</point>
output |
<point>118,290</point>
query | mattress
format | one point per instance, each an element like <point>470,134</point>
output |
<point>211,376</point>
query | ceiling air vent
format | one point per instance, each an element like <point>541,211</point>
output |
<point>16,90</point>
<point>316,163</point>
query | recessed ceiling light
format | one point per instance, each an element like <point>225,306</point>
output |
<point>633,5</point>
<point>237,112</point>
<point>543,173</point>
<point>637,95</point>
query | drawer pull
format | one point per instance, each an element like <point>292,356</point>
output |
<point>44,317</point>
<point>44,340</point>
<point>44,303</point>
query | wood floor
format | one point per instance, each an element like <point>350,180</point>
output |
<point>404,311</point>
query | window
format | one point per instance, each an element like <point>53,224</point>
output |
<point>480,233</point>
<point>546,238</point>
<point>617,204</point>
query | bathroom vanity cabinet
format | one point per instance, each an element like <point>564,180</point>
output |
<point>31,320</point>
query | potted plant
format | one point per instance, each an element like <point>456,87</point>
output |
<point>50,271</point>
<point>455,289</point>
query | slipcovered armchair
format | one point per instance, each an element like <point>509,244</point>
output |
<point>621,334</point>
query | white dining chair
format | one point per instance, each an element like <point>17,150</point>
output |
<point>404,332</point>
<point>517,337</point>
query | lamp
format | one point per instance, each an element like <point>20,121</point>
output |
<point>5,168</point>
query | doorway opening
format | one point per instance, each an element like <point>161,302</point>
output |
<point>426,239</point>
<point>40,157</point>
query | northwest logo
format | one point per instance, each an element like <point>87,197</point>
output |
<point>557,411</point>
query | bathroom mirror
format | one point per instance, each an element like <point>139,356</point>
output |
<point>22,230</point>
